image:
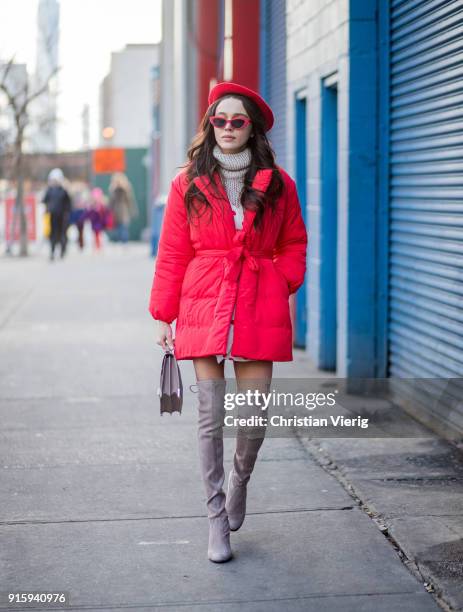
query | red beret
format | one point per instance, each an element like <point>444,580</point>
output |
<point>227,87</point>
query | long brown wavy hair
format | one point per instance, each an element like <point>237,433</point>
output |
<point>201,161</point>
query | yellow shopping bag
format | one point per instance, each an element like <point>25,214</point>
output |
<point>46,226</point>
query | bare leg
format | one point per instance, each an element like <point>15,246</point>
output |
<point>207,367</point>
<point>253,369</point>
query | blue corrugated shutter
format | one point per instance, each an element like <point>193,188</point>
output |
<point>273,14</point>
<point>426,196</point>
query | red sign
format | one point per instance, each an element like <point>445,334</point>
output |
<point>108,160</point>
<point>29,206</point>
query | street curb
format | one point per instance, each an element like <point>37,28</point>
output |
<point>420,571</point>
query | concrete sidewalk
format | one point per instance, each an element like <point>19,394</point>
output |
<point>102,498</point>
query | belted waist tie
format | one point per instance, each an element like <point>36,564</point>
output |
<point>233,258</point>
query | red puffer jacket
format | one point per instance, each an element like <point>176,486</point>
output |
<point>203,267</point>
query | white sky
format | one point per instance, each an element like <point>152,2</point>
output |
<point>90,30</point>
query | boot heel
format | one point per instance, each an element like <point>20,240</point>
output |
<point>235,503</point>
<point>219,549</point>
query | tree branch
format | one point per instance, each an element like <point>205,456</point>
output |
<point>39,91</point>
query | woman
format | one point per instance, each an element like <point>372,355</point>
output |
<point>123,205</point>
<point>232,249</point>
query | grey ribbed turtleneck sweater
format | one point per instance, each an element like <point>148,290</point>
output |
<point>233,167</point>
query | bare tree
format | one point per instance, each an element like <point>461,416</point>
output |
<point>19,100</point>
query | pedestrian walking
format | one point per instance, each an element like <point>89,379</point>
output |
<point>123,205</point>
<point>232,249</point>
<point>97,214</point>
<point>79,214</point>
<point>59,205</point>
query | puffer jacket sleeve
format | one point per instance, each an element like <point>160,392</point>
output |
<point>175,251</point>
<point>290,252</point>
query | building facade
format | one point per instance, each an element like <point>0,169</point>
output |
<point>44,110</point>
<point>125,97</point>
<point>204,42</point>
<point>374,87</point>
<point>177,99</point>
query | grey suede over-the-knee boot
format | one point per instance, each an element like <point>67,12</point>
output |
<point>211,413</point>
<point>249,439</point>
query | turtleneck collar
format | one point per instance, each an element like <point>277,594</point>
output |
<point>233,161</point>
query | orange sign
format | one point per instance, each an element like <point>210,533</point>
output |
<point>108,160</point>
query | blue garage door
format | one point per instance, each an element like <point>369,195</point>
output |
<point>426,201</point>
<point>273,70</point>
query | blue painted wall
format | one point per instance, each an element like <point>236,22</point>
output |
<point>301,184</point>
<point>357,264</point>
<point>328,229</point>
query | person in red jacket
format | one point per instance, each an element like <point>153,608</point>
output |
<point>232,249</point>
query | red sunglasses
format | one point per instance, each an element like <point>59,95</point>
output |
<point>238,123</point>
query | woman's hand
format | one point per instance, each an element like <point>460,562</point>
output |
<point>164,336</point>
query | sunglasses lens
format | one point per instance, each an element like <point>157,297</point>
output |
<point>218,122</point>
<point>237,123</point>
